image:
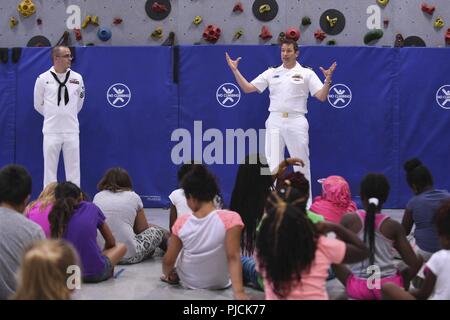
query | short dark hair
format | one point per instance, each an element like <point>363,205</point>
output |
<point>200,184</point>
<point>417,174</point>
<point>115,179</point>
<point>289,42</point>
<point>15,184</point>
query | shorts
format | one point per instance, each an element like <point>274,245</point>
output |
<point>358,288</point>
<point>105,275</point>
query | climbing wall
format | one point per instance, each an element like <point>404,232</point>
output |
<point>127,23</point>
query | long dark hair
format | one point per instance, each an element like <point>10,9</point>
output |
<point>248,198</point>
<point>286,243</point>
<point>67,195</point>
<point>417,175</point>
<point>373,186</point>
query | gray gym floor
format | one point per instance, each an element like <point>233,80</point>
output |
<point>141,281</point>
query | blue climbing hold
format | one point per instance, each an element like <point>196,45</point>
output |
<point>104,34</point>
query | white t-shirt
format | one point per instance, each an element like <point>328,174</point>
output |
<point>202,262</point>
<point>178,199</point>
<point>289,88</point>
<point>439,264</point>
<point>120,209</point>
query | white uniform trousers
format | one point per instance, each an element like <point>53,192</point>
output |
<point>70,145</point>
<point>288,130</point>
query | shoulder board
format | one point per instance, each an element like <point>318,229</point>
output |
<point>275,66</point>
<point>307,67</point>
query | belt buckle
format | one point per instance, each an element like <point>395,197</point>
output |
<point>285,114</point>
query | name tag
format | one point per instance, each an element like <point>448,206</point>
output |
<point>74,81</point>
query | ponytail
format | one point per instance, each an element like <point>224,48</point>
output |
<point>369,228</point>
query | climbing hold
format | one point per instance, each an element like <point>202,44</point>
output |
<point>383,2</point>
<point>238,34</point>
<point>293,34</point>
<point>86,21</point>
<point>373,35</point>
<point>281,37</point>
<point>39,41</point>
<point>170,41</point>
<point>64,40</point>
<point>319,35</point>
<point>265,33</point>
<point>211,33</point>
<point>331,42</point>
<point>414,41</point>
<point>385,23</point>
<point>197,20</point>
<point>447,37</point>
<point>117,21</point>
<point>439,23</point>
<point>265,10</point>
<point>157,33</point>
<point>13,22</point>
<point>427,8</point>
<point>104,34</point>
<point>39,21</point>
<point>399,41</point>
<point>158,9</point>
<point>77,33</point>
<point>26,8</point>
<point>332,21</point>
<point>306,21</point>
<point>94,20</point>
<point>238,7</point>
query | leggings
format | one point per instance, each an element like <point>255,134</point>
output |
<point>147,241</point>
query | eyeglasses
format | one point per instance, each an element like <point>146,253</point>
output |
<point>66,56</point>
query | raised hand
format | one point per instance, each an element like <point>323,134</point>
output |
<point>329,72</point>
<point>233,64</point>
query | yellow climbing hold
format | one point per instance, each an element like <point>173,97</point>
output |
<point>264,8</point>
<point>439,22</point>
<point>94,20</point>
<point>86,21</point>
<point>13,22</point>
<point>157,33</point>
<point>238,34</point>
<point>332,21</point>
<point>26,8</point>
<point>383,2</point>
<point>197,20</point>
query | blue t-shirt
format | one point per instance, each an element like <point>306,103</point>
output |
<point>423,208</point>
<point>81,231</point>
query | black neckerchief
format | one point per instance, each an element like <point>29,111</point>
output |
<point>61,86</point>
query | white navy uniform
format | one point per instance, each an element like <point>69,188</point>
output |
<point>61,127</point>
<point>287,125</point>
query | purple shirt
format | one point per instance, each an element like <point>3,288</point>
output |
<point>82,233</point>
<point>39,216</point>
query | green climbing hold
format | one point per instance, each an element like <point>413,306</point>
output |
<point>373,35</point>
<point>331,42</point>
<point>306,21</point>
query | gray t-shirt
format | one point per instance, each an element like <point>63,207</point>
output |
<point>120,209</point>
<point>16,234</point>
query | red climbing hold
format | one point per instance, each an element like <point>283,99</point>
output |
<point>211,33</point>
<point>157,7</point>
<point>320,35</point>
<point>265,33</point>
<point>117,21</point>
<point>427,8</point>
<point>238,7</point>
<point>293,34</point>
<point>77,32</point>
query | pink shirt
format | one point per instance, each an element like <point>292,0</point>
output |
<point>313,284</point>
<point>41,217</point>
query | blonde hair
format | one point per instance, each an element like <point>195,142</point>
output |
<point>43,271</point>
<point>46,197</point>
